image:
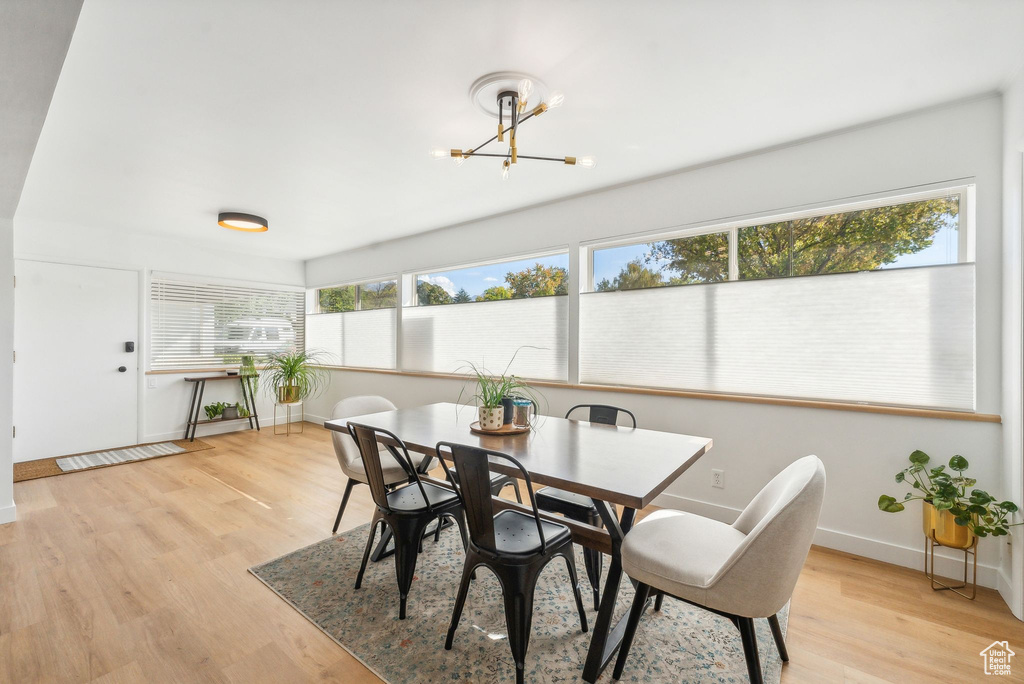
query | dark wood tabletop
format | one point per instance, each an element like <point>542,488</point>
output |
<point>626,466</point>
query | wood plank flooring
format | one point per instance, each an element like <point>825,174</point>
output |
<point>137,573</point>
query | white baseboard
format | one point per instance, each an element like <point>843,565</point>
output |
<point>8,514</point>
<point>947,566</point>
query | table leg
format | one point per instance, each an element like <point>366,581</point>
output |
<point>244,381</point>
<point>191,408</point>
<point>607,636</point>
<point>199,406</point>
<point>252,399</point>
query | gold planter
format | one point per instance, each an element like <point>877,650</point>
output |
<point>941,526</point>
<point>940,529</point>
<point>287,394</point>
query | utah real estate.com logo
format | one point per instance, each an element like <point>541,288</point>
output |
<point>997,658</point>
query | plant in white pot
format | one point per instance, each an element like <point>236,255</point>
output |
<point>492,393</point>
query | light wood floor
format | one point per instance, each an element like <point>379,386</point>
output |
<point>138,574</point>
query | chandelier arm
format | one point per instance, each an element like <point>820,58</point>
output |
<point>473,152</point>
<point>560,160</point>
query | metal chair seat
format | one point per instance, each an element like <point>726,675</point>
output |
<point>515,533</point>
<point>409,498</point>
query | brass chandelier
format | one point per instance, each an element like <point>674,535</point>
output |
<point>512,106</point>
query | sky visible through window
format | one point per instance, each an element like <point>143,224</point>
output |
<point>475,280</point>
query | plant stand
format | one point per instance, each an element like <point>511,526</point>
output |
<point>196,403</point>
<point>288,417</point>
<point>938,585</point>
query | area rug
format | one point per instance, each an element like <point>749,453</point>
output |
<point>48,467</point>
<point>679,644</point>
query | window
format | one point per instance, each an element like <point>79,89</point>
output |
<point>354,325</point>
<point>498,312</point>
<point>542,276</point>
<point>869,329</point>
<point>204,325</point>
<point>382,294</point>
<point>922,231</point>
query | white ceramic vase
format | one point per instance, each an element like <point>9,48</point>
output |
<point>491,418</point>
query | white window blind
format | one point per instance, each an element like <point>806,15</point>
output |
<point>203,325</point>
<point>899,337</point>
<point>443,338</point>
<point>362,339</point>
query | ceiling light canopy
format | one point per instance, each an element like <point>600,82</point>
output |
<point>512,93</point>
<point>249,223</point>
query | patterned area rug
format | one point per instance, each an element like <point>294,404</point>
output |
<point>48,467</point>
<point>680,644</point>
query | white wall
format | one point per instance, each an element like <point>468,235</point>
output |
<point>961,142</point>
<point>1012,568</point>
<point>162,406</point>
<point>7,508</point>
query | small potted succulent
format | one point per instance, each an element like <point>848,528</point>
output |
<point>952,517</point>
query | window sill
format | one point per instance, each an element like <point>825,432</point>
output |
<point>743,398</point>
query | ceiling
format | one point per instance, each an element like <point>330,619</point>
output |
<point>320,115</point>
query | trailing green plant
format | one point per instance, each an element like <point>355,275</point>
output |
<point>302,369</point>
<point>215,409</point>
<point>247,369</point>
<point>947,491</point>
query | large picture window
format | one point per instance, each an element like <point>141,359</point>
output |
<point>921,231</point>
<point>891,320</point>
<point>354,325</point>
<point>205,325</point>
<point>497,312</point>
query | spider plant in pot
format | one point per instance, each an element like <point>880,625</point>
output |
<point>295,375</point>
<point>952,517</point>
<point>494,393</point>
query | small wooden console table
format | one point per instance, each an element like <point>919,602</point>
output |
<point>196,404</point>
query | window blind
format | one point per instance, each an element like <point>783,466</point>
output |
<point>898,337</point>
<point>203,325</point>
<point>362,339</point>
<point>443,338</point>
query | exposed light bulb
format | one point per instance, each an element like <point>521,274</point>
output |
<point>525,89</point>
<point>587,162</point>
<point>437,153</point>
<point>504,170</point>
<point>459,161</point>
<point>556,100</point>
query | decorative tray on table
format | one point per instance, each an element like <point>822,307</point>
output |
<point>508,429</point>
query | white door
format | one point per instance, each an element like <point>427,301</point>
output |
<point>71,324</point>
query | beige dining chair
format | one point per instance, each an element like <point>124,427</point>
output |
<point>741,571</point>
<point>348,452</point>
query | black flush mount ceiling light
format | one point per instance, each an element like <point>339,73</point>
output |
<point>506,95</point>
<point>249,223</point>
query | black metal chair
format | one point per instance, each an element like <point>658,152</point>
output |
<point>581,508</point>
<point>406,510</point>
<point>515,546</point>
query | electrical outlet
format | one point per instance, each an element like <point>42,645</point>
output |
<point>151,383</point>
<point>718,479</point>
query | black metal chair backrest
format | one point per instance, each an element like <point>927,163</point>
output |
<point>474,476</point>
<point>367,438</point>
<point>603,414</point>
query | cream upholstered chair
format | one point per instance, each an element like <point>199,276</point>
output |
<point>348,452</point>
<point>742,571</point>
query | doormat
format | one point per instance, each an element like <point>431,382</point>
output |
<point>48,467</point>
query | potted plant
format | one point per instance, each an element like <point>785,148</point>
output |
<point>295,375</point>
<point>494,394</point>
<point>214,411</point>
<point>229,412</point>
<point>243,411</point>
<point>952,517</point>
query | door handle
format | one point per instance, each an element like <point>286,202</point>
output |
<point>121,369</point>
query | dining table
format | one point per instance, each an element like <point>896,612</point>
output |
<point>620,468</point>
